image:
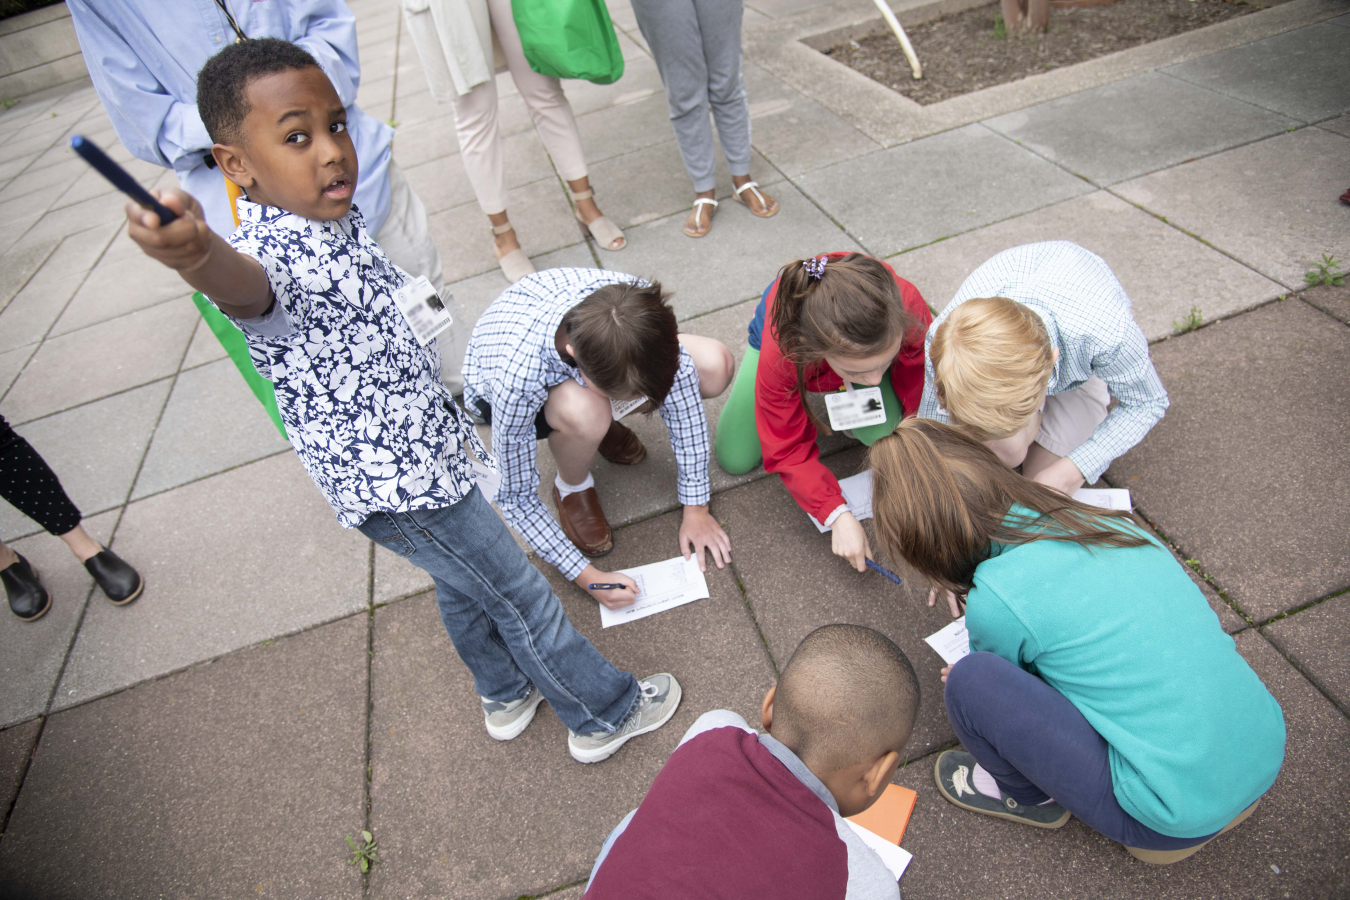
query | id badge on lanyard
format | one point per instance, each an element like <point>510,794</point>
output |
<point>855,407</point>
<point>422,309</point>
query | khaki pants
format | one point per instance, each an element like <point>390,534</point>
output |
<point>1070,418</point>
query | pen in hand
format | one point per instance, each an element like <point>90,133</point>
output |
<point>885,572</point>
<point>609,587</point>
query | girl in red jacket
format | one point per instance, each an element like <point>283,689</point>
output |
<point>841,315</point>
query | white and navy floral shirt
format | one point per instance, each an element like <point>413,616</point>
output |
<point>363,404</point>
<point>1088,317</point>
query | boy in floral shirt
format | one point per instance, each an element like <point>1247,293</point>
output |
<point>361,395</point>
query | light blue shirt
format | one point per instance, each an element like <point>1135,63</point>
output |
<point>144,56</point>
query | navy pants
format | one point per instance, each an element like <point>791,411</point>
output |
<point>1037,745</point>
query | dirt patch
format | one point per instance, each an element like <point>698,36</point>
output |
<point>972,50</point>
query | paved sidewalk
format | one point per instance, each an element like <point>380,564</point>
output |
<point>282,682</point>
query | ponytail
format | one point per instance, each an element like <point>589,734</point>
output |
<point>853,308</point>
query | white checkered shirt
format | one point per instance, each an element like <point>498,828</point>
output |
<point>1087,314</point>
<point>511,363</point>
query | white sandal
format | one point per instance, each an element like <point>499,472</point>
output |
<point>753,187</point>
<point>602,229</point>
<point>700,202</point>
<point>516,264</point>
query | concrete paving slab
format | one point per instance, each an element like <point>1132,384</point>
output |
<point>211,423</point>
<point>430,755</point>
<point>651,184</point>
<point>11,363</point>
<point>540,213</point>
<point>1268,856</point>
<point>943,187</point>
<point>30,206</point>
<point>118,287</point>
<point>1343,21</point>
<point>1164,271</point>
<point>79,251</point>
<point>796,133</point>
<point>643,120</point>
<point>16,268</point>
<point>1271,204</point>
<point>16,748</point>
<point>417,144</point>
<point>794,584</point>
<point>95,450</point>
<point>1340,125</point>
<point>737,259</point>
<point>1138,125</point>
<point>92,184</point>
<point>29,316</point>
<point>1303,73</point>
<point>1228,618</point>
<point>58,223</point>
<point>32,653</point>
<point>233,779</point>
<point>102,359</point>
<point>640,80</point>
<point>1255,496</point>
<point>62,173</point>
<point>777,9</point>
<point>1317,641</point>
<point>278,562</point>
<point>477,293</point>
<point>203,349</point>
<point>1330,299</point>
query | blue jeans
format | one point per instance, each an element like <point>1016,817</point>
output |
<point>1037,745</point>
<point>506,623</point>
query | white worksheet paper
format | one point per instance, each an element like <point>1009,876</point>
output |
<point>895,857</point>
<point>857,494</point>
<point>661,586</point>
<point>951,643</point>
<point>1106,498</point>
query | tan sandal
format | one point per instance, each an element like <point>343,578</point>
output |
<point>699,203</point>
<point>516,264</point>
<point>602,229</point>
<point>753,187</point>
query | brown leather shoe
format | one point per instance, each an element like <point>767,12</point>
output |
<point>621,446</point>
<point>583,521</point>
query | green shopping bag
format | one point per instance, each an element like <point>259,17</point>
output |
<point>569,39</point>
<point>232,339</point>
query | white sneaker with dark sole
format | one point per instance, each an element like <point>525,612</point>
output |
<point>659,698</point>
<point>507,720</point>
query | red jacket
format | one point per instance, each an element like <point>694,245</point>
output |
<point>786,435</point>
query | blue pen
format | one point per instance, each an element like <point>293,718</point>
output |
<point>885,571</point>
<point>120,177</point>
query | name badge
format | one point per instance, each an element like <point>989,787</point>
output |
<point>855,408</point>
<point>619,409</point>
<point>422,309</point>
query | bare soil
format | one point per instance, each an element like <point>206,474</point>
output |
<point>973,50</point>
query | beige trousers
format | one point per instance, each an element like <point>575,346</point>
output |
<point>405,237</point>
<point>480,140</point>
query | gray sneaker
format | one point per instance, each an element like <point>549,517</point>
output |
<point>953,772</point>
<point>659,698</point>
<point>507,720</point>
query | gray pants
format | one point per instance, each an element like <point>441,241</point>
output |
<point>697,45</point>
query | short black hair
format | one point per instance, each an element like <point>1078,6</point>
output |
<point>626,340</point>
<point>222,84</point>
<point>847,695</point>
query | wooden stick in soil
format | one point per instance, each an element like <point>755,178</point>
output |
<point>900,35</point>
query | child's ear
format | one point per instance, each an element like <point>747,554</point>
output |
<point>880,774</point>
<point>766,710</point>
<point>230,159</point>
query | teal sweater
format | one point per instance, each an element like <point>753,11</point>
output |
<point>1194,735</point>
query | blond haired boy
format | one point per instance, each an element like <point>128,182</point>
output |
<point>1028,356</point>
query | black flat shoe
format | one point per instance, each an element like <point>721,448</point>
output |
<point>119,581</point>
<point>28,599</point>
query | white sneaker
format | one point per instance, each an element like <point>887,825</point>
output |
<point>660,697</point>
<point>507,720</point>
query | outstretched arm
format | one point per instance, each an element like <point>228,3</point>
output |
<point>234,281</point>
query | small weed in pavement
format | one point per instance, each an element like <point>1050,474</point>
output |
<point>1325,272</point>
<point>363,856</point>
<point>1194,319</point>
<point>7,102</point>
<point>1000,29</point>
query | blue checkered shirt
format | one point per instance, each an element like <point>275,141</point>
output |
<point>512,362</point>
<point>1087,314</point>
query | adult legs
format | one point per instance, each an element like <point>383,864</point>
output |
<point>406,239</point>
<point>671,29</point>
<point>719,24</point>
<point>504,620</point>
<point>1037,745</point>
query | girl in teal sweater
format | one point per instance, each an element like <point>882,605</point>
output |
<point>1099,676</point>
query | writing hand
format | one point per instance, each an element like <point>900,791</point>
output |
<point>613,598</point>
